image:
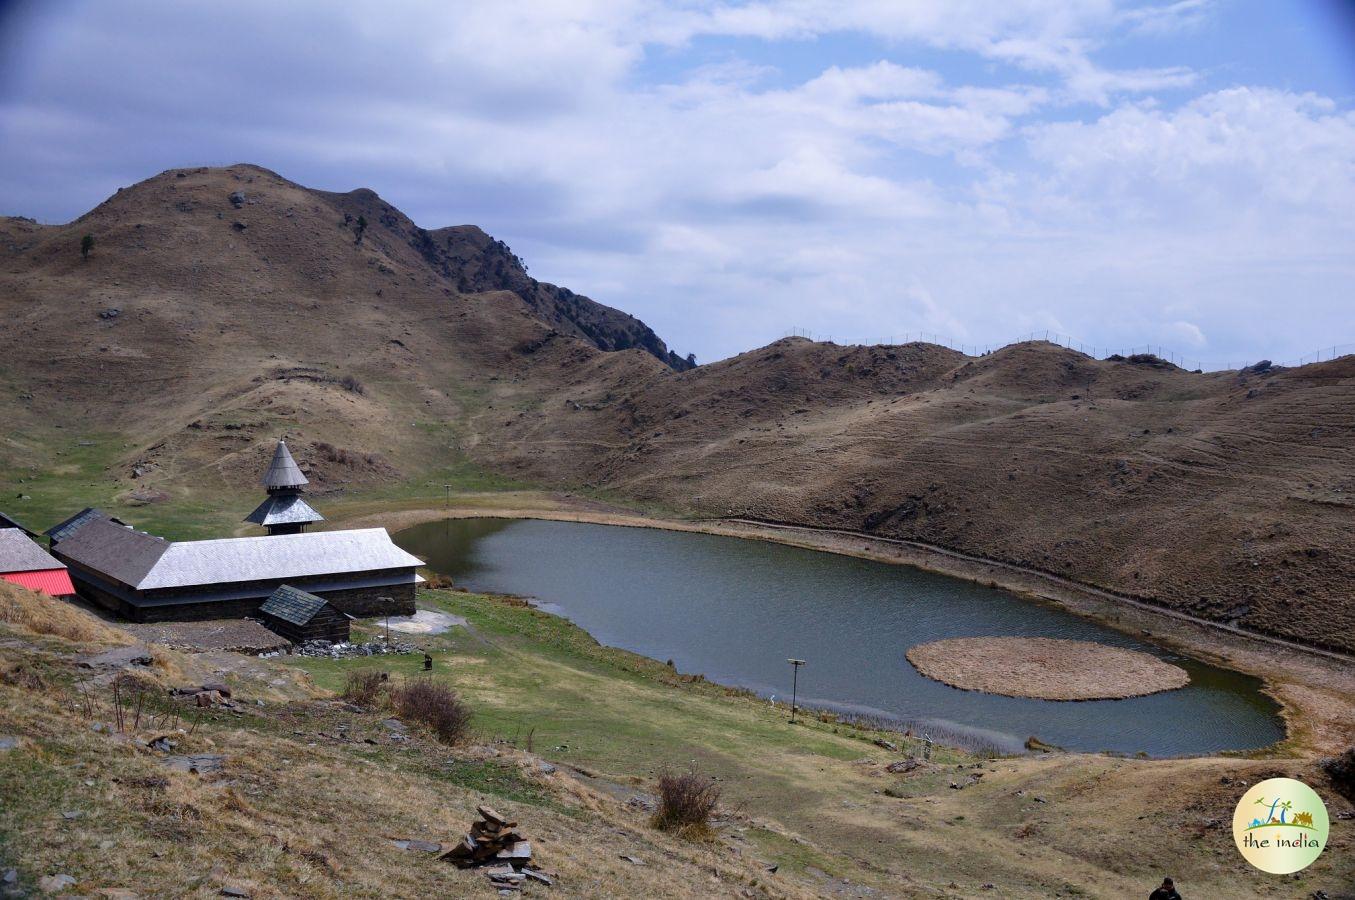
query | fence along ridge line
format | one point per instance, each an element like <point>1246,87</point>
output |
<point>1072,343</point>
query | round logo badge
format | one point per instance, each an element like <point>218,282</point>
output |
<point>1280,826</point>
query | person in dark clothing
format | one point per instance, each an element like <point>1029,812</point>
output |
<point>1166,892</point>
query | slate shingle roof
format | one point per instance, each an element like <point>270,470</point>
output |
<point>276,556</point>
<point>63,530</point>
<point>292,605</point>
<point>283,472</point>
<point>113,550</point>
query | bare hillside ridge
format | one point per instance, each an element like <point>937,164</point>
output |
<point>202,327</point>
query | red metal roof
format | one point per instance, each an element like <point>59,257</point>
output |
<point>52,582</point>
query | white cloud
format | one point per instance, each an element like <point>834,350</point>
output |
<point>1189,333</point>
<point>1089,83</point>
<point>1057,36</point>
<point>1236,149</point>
<point>1169,18</point>
<point>724,200</point>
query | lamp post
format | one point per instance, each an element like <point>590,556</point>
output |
<point>447,501</point>
<point>389,603</point>
<point>794,685</point>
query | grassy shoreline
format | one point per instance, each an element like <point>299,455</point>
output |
<point>1316,693</point>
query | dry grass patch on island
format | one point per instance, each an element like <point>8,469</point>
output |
<point>1045,668</point>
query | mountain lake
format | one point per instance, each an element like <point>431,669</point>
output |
<point>735,610</point>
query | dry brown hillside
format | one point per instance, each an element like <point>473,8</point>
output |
<point>221,303</point>
<point>1226,495</point>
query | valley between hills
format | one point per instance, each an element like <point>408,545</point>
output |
<point>223,308</point>
<point>418,374</point>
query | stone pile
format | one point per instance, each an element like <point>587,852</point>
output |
<point>206,695</point>
<point>903,766</point>
<point>494,842</point>
<point>346,650</point>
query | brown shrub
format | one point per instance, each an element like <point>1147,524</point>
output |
<point>351,384</point>
<point>345,457</point>
<point>436,581</point>
<point>165,663</point>
<point>365,687</point>
<point>24,677</point>
<point>435,705</point>
<point>687,800</point>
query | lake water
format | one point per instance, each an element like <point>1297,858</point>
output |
<point>734,610</point>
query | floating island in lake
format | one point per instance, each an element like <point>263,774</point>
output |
<point>1045,668</point>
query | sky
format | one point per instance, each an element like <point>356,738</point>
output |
<point>1176,173</point>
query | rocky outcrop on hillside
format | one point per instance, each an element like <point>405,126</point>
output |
<point>472,261</point>
<point>478,262</point>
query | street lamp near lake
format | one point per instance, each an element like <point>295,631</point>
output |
<point>794,685</point>
<point>389,604</point>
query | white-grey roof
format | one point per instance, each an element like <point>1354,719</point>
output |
<point>283,509</point>
<point>18,553</point>
<point>283,471</point>
<point>281,556</point>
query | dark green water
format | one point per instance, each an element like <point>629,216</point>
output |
<point>734,610</point>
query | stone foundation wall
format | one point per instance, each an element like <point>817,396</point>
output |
<point>362,603</point>
<point>103,599</point>
<point>168,612</point>
<point>365,603</point>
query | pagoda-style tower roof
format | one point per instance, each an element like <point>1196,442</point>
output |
<point>284,512</point>
<point>283,472</point>
<point>284,509</point>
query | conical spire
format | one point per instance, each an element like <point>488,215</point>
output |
<point>283,472</point>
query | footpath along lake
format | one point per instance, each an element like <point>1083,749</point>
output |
<point>734,610</point>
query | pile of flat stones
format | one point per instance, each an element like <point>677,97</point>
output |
<point>494,844</point>
<point>346,650</point>
<point>211,694</point>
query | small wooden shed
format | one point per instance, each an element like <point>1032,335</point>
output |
<point>300,617</point>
